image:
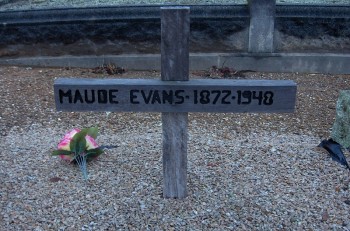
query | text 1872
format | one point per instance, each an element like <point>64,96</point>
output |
<point>229,97</point>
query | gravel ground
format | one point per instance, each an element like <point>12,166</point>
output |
<point>38,4</point>
<point>245,171</point>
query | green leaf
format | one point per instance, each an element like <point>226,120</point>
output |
<point>84,131</point>
<point>93,153</point>
<point>93,132</point>
<point>78,143</point>
<point>61,152</point>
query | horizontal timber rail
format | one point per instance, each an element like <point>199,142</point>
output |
<point>274,62</point>
<point>261,53</point>
<point>200,95</point>
<point>147,12</point>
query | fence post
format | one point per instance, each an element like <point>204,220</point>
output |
<point>262,24</point>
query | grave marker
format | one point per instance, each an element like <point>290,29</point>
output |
<point>174,95</point>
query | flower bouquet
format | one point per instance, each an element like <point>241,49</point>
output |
<point>79,146</point>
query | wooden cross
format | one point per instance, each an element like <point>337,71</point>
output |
<point>174,96</point>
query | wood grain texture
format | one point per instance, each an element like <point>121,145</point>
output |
<point>262,24</point>
<point>175,136</point>
<point>201,95</point>
<point>175,31</point>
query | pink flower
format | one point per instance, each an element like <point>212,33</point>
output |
<point>65,144</point>
<point>79,146</point>
<point>90,143</point>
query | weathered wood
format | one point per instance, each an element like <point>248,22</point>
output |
<point>262,25</point>
<point>175,136</point>
<point>175,96</point>
<point>175,31</point>
<point>139,95</point>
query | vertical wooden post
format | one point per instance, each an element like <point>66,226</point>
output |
<point>175,30</point>
<point>262,25</point>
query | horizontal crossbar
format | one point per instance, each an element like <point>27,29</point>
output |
<point>140,95</point>
<point>147,12</point>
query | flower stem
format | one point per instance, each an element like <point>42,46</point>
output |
<point>81,160</point>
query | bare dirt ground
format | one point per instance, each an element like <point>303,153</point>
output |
<point>245,171</point>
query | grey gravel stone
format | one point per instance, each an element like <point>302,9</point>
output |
<point>235,181</point>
